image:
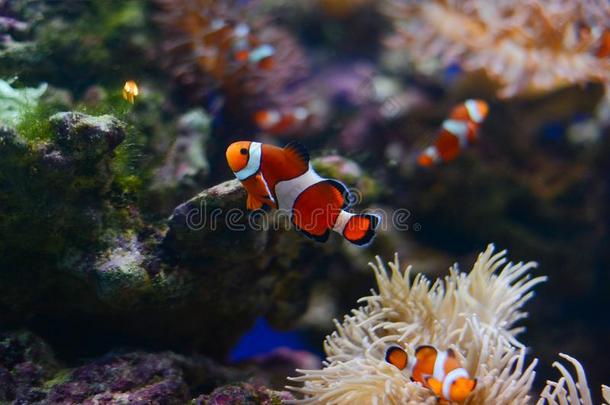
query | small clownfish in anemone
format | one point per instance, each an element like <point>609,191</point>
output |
<point>280,121</point>
<point>283,178</point>
<point>458,131</point>
<point>440,371</point>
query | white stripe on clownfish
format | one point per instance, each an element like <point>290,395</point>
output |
<point>439,365</point>
<point>459,129</point>
<point>241,30</point>
<point>450,379</point>
<point>267,189</point>
<point>261,52</point>
<point>273,117</point>
<point>473,111</point>
<point>432,153</point>
<point>288,191</point>
<point>254,162</point>
<point>342,221</point>
<point>217,24</point>
<point>300,113</point>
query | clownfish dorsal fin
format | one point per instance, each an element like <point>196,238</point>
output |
<point>425,349</point>
<point>298,154</point>
<point>451,353</point>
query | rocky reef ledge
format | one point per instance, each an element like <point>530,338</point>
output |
<point>30,374</point>
<point>79,261</point>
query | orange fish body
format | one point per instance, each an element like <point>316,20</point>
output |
<point>440,371</point>
<point>458,131</point>
<point>279,122</point>
<point>283,178</point>
<point>604,47</point>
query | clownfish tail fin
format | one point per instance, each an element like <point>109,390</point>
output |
<point>361,229</point>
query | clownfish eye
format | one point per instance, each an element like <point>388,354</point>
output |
<point>243,151</point>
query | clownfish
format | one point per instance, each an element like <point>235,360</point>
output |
<point>604,47</point>
<point>244,46</point>
<point>279,122</point>
<point>440,371</point>
<point>284,178</point>
<point>458,131</point>
<point>130,91</point>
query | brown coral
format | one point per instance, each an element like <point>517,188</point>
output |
<point>199,53</point>
<point>528,47</point>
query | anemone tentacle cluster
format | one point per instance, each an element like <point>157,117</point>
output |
<point>528,47</point>
<point>475,314</point>
<point>199,55</point>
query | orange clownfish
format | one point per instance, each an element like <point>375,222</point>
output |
<point>440,371</point>
<point>458,131</point>
<point>283,178</point>
<point>279,122</point>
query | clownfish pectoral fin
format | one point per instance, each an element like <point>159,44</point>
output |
<point>360,229</point>
<point>397,357</point>
<point>425,349</point>
<point>260,195</point>
<point>298,154</point>
<point>253,203</point>
<point>435,385</point>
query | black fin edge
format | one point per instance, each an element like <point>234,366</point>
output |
<point>300,149</point>
<point>342,188</point>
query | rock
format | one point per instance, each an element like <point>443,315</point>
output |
<point>219,213</point>
<point>25,363</point>
<point>83,136</point>
<point>243,394</point>
<point>29,374</point>
<point>134,378</point>
<point>185,167</point>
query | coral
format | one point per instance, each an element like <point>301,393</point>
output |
<point>69,44</point>
<point>528,47</point>
<point>14,102</point>
<point>200,55</point>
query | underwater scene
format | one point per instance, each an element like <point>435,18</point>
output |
<point>272,202</point>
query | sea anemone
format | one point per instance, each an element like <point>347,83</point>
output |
<point>198,51</point>
<point>567,390</point>
<point>528,47</point>
<point>475,314</point>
